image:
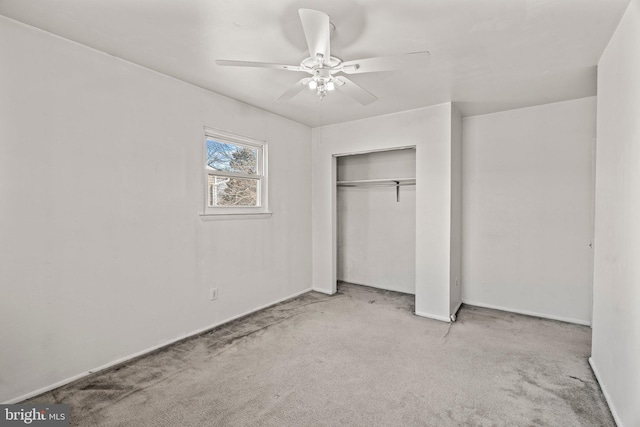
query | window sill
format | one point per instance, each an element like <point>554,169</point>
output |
<point>235,216</point>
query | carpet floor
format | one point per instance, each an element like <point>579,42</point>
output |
<point>358,358</point>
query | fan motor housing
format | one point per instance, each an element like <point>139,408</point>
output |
<point>311,65</point>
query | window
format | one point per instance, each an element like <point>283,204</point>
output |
<point>236,174</point>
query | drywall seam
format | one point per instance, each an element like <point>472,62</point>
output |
<point>616,418</point>
<point>527,313</point>
<point>148,350</point>
<point>433,316</point>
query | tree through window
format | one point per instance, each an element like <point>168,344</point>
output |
<point>235,172</point>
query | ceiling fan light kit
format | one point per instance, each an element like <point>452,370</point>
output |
<point>323,67</point>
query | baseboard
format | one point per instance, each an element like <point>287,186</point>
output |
<point>322,291</point>
<point>616,418</point>
<point>455,310</point>
<point>52,386</point>
<point>148,350</point>
<point>527,313</point>
<point>384,288</point>
<point>433,316</point>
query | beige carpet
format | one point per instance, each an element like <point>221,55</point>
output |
<point>358,358</point>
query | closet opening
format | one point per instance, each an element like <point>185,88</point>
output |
<point>376,219</point>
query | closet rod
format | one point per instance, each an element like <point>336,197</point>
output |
<point>370,182</point>
<point>388,184</point>
<point>397,183</point>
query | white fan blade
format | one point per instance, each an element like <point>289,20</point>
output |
<point>356,92</point>
<point>228,63</point>
<point>316,30</point>
<point>294,90</point>
<point>387,63</point>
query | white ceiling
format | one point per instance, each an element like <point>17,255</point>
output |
<point>486,55</point>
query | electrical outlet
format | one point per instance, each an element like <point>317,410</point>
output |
<point>213,294</point>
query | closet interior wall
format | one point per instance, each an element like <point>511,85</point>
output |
<point>376,221</point>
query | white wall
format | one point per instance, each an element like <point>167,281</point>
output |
<point>615,353</point>
<point>528,209</point>
<point>103,253</point>
<point>455,275</point>
<point>376,231</point>
<point>429,130</point>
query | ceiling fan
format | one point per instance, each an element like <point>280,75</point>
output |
<point>323,67</point>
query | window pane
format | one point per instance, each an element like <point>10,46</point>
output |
<point>227,157</point>
<point>232,191</point>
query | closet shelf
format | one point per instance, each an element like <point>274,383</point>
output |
<point>387,182</point>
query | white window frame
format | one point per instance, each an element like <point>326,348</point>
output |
<point>235,212</point>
